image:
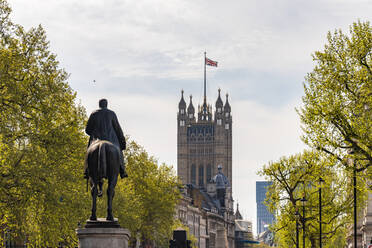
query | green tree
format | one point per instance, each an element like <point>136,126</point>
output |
<point>41,140</point>
<point>42,148</point>
<point>337,105</point>
<point>298,176</point>
<point>145,202</point>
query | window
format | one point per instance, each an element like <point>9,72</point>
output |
<point>219,122</point>
<point>193,174</point>
<point>219,110</point>
<point>226,126</point>
<point>209,173</point>
<point>182,123</point>
<point>227,114</point>
<point>182,111</point>
<point>201,175</point>
<point>191,116</point>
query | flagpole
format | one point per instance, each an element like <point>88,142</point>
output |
<point>205,80</point>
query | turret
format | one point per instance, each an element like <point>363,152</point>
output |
<point>219,107</point>
<point>191,110</point>
<point>182,103</point>
<point>227,113</point>
<point>182,139</point>
<point>219,103</point>
<point>227,108</point>
<point>238,216</point>
<point>182,111</point>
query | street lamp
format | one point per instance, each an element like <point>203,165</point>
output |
<point>303,220</point>
<point>320,212</point>
<point>351,162</point>
<point>297,234</point>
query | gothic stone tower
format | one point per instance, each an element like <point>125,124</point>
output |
<point>204,142</point>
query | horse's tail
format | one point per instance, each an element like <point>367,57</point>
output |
<point>102,160</point>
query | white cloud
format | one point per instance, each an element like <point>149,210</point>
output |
<point>260,134</point>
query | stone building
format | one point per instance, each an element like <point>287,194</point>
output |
<point>204,165</point>
<point>204,141</point>
<point>212,225</point>
<point>243,231</point>
<point>364,227</point>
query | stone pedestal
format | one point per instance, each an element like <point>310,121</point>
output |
<point>103,233</point>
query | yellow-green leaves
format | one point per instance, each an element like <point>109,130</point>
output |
<point>337,110</point>
<point>148,197</point>
<point>298,176</point>
<point>42,142</point>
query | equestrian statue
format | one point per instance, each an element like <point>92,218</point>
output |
<point>104,156</point>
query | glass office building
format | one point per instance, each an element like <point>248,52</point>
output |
<point>264,217</point>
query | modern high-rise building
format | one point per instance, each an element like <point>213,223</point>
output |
<point>204,141</point>
<point>264,217</point>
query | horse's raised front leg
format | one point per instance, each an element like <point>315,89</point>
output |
<point>110,195</point>
<point>94,192</point>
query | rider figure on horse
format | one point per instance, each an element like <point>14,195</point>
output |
<point>104,125</point>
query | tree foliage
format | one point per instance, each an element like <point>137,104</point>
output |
<point>298,176</point>
<point>337,105</point>
<point>145,202</point>
<point>41,140</point>
<point>336,120</point>
<point>42,148</point>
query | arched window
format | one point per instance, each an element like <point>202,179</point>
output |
<point>209,173</point>
<point>193,174</point>
<point>201,175</point>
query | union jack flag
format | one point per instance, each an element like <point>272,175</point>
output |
<point>210,62</point>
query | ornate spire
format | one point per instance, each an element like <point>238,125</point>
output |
<point>182,104</point>
<point>191,109</point>
<point>227,105</point>
<point>219,103</point>
<point>238,216</point>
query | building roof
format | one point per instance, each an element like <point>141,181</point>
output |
<point>227,104</point>
<point>191,109</point>
<point>182,104</point>
<point>238,216</point>
<point>203,200</point>
<point>219,103</point>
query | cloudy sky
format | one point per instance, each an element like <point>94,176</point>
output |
<point>141,53</point>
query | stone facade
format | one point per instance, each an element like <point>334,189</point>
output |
<point>203,141</point>
<point>364,227</point>
<point>243,231</point>
<point>211,225</point>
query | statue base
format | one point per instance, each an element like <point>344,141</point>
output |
<point>102,233</point>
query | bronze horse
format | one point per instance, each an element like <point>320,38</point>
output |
<point>103,161</point>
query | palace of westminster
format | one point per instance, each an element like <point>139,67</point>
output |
<point>204,165</point>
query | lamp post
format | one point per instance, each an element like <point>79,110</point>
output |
<point>355,209</point>
<point>351,163</point>
<point>320,212</point>
<point>297,234</point>
<point>303,220</point>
